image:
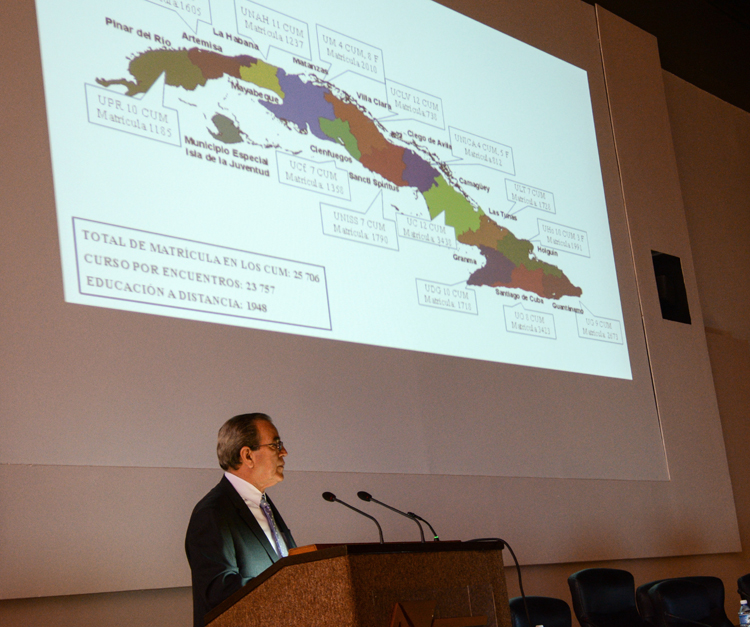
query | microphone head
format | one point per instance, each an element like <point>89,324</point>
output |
<point>365,496</point>
<point>329,496</point>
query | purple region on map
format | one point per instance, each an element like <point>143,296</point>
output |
<point>418,172</point>
<point>498,269</point>
<point>303,105</point>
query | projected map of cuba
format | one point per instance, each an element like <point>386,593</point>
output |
<point>309,107</point>
<point>413,180</point>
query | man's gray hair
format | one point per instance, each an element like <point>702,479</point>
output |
<point>235,434</point>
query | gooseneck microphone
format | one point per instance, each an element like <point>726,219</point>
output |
<point>435,537</point>
<point>330,496</point>
<point>366,496</point>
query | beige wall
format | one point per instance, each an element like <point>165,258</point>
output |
<point>112,408</point>
<point>140,608</point>
<point>712,145</point>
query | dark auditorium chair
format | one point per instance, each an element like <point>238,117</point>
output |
<point>604,597</point>
<point>689,602</point>
<point>743,587</point>
<point>643,601</point>
<point>714,587</point>
<point>542,611</point>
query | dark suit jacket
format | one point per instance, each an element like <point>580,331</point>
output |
<point>226,547</point>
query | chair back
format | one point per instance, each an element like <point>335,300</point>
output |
<point>680,603</point>
<point>604,597</point>
<point>546,611</point>
<point>643,601</point>
<point>743,587</point>
<point>714,591</point>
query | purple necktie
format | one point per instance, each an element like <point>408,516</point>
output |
<point>266,508</point>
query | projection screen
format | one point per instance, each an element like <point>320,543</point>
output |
<point>404,214</point>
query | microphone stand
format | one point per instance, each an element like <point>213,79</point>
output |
<point>366,496</point>
<point>331,497</point>
<point>435,537</point>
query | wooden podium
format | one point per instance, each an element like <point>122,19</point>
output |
<point>433,584</point>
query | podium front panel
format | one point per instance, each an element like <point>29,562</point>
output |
<point>361,590</point>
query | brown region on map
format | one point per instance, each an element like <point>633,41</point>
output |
<point>489,234</point>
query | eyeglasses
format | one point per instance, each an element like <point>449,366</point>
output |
<point>277,446</point>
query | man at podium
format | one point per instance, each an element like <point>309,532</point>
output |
<point>235,532</point>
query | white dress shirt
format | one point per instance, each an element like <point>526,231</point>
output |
<point>252,496</point>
